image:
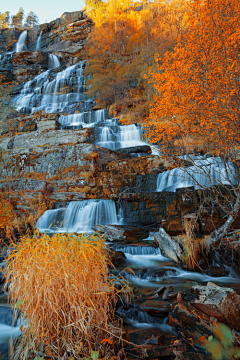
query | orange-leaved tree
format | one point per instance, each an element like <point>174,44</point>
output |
<point>121,49</point>
<point>195,104</point>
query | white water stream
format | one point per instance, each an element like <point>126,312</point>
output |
<point>20,46</point>
<point>79,216</point>
<point>53,94</point>
<point>53,62</point>
<point>203,174</point>
<point>39,39</point>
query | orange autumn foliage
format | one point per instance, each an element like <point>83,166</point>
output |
<point>7,215</point>
<point>196,87</point>
<point>121,49</point>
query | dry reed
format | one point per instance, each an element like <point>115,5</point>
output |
<point>61,286</point>
<point>192,246</point>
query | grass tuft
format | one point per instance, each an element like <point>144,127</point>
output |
<point>61,286</point>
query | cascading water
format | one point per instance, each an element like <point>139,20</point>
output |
<point>119,137</point>
<point>39,39</point>
<point>79,216</point>
<point>151,272</point>
<point>85,119</point>
<point>111,135</point>
<point>137,250</point>
<point>9,329</point>
<point>53,95</point>
<point>205,173</point>
<point>21,42</point>
<point>53,62</point>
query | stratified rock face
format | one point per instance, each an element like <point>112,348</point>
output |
<point>8,38</point>
<point>64,37</point>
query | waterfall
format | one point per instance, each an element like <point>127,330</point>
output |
<point>85,119</point>
<point>38,44</point>
<point>108,138</point>
<point>21,42</point>
<point>137,250</point>
<point>53,61</point>
<point>79,216</point>
<point>53,92</point>
<point>129,135</point>
<point>203,174</point>
<point>119,137</point>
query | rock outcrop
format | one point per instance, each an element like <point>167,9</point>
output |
<point>64,37</point>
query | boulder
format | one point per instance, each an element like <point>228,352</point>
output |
<point>191,322</point>
<point>169,246</point>
<point>218,302</point>
<point>121,232</point>
<point>116,257</point>
<point>140,149</point>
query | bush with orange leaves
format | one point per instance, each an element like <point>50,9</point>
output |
<point>61,286</point>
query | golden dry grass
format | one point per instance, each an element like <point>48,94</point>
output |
<point>61,286</point>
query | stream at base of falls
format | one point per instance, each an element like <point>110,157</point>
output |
<point>153,271</point>
<point>150,271</point>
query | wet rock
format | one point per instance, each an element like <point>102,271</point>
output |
<point>136,149</point>
<point>220,303</point>
<point>8,38</point>
<point>167,291</point>
<point>216,271</point>
<point>121,232</point>
<point>116,257</point>
<point>169,246</point>
<point>190,321</point>
<point>156,293</point>
<point>157,306</point>
<point>6,76</point>
<point>24,74</point>
<point>65,36</point>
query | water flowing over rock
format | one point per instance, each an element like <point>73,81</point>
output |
<point>79,216</point>
<point>39,39</point>
<point>53,95</point>
<point>205,173</point>
<point>114,138</point>
<point>53,62</point>
<point>111,135</point>
<point>84,119</point>
<point>137,250</point>
<point>20,46</point>
<point>9,329</point>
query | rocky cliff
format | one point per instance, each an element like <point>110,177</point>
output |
<point>64,37</point>
<point>59,144</point>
